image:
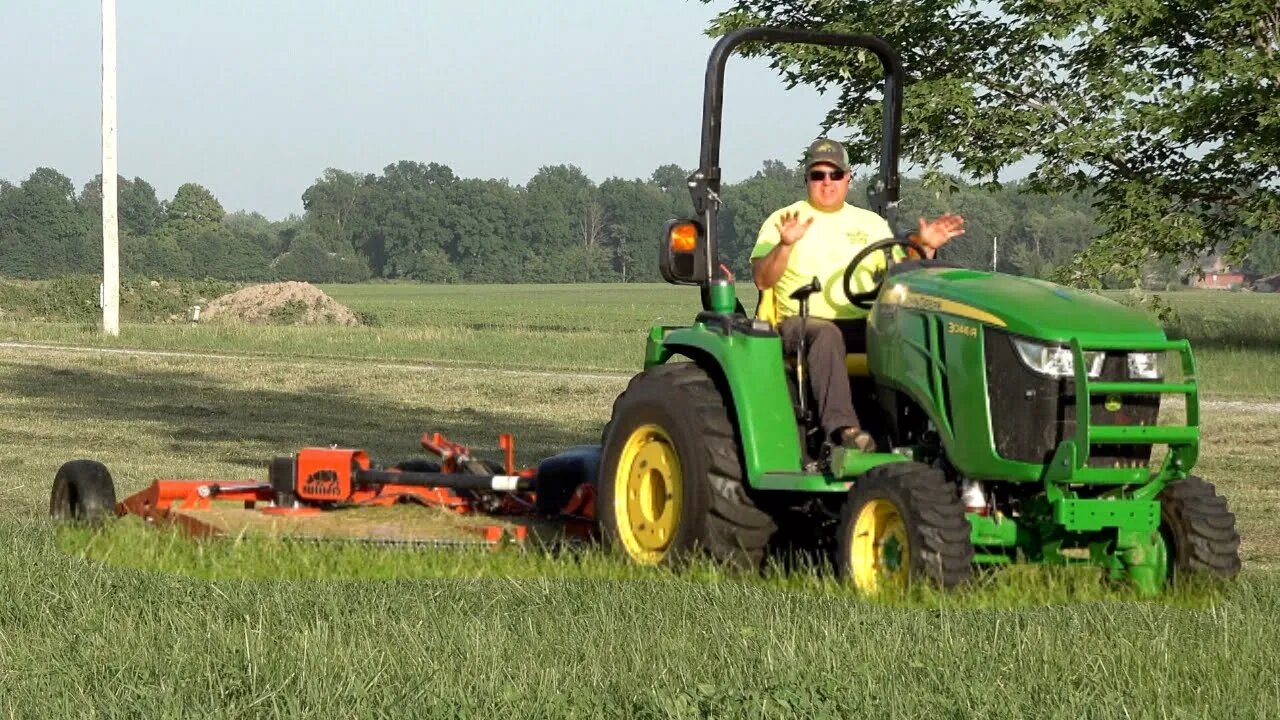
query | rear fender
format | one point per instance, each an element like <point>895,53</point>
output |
<point>750,369</point>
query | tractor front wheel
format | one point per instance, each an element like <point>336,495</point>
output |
<point>1199,531</point>
<point>904,522</point>
<point>671,474</point>
<point>83,492</point>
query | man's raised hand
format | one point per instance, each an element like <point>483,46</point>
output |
<point>790,229</point>
<point>937,233</point>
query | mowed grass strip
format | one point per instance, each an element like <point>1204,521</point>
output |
<point>150,416</point>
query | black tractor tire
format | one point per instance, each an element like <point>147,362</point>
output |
<point>1199,531</point>
<point>932,520</point>
<point>83,492</point>
<point>716,516</point>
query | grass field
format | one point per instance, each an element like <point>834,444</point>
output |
<point>601,328</point>
<point>154,626</point>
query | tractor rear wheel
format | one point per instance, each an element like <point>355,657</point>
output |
<point>1199,531</point>
<point>83,492</point>
<point>904,522</point>
<point>671,473</point>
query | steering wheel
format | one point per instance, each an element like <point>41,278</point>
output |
<point>864,299</point>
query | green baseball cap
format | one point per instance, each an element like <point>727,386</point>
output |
<point>823,150</point>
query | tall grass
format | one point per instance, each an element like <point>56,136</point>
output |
<point>85,639</point>
<point>1224,320</point>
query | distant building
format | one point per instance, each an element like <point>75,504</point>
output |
<point>1269,283</point>
<point>1219,276</point>
<point>1229,280</point>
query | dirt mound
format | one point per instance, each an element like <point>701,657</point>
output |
<point>283,303</point>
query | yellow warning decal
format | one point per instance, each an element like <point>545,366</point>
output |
<point>901,296</point>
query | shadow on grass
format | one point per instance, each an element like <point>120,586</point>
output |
<point>187,410</point>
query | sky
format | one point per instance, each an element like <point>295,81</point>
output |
<point>254,99</point>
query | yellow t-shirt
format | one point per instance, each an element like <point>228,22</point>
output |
<point>825,251</point>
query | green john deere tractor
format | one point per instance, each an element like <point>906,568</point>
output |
<point>1020,417</point>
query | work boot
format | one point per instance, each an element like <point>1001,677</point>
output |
<point>852,437</point>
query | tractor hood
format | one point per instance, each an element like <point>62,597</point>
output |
<point>1024,306</point>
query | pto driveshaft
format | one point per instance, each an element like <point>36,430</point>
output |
<point>453,481</point>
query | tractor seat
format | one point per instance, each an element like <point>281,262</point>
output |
<point>767,310</point>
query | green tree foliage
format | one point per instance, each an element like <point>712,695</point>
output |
<point>139,214</point>
<point>154,256</point>
<point>309,259</point>
<point>1169,112</point>
<point>483,244</point>
<point>335,207</point>
<point>140,211</point>
<point>673,181</point>
<point>16,256</point>
<point>408,210</point>
<point>564,225</point>
<point>192,211</point>
<point>137,207</point>
<point>263,234</point>
<point>421,222</point>
<point>635,212</point>
<point>1264,257</point>
<point>224,255</point>
<point>42,230</point>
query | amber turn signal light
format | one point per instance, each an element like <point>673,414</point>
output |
<point>683,237</point>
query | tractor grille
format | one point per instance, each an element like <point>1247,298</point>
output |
<point>1031,413</point>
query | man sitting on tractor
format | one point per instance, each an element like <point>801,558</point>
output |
<point>832,232</point>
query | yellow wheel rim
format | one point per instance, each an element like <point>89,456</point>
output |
<point>880,554</point>
<point>647,490</point>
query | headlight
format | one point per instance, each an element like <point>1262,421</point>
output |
<point>1146,366</point>
<point>1057,361</point>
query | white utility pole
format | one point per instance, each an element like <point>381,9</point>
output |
<point>995,251</point>
<point>110,226</point>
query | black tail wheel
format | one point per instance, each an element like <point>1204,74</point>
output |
<point>1199,531</point>
<point>83,492</point>
<point>903,522</point>
<point>671,474</point>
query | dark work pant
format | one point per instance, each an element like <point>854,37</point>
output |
<point>827,343</point>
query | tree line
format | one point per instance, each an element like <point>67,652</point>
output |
<point>421,222</point>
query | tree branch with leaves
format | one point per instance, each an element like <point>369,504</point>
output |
<point>1167,111</point>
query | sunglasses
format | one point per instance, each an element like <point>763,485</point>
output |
<point>820,175</point>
